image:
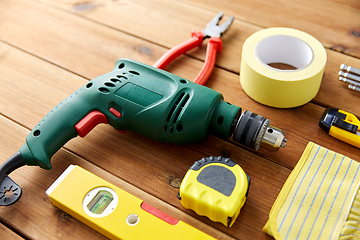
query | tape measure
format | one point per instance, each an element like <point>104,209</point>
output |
<point>112,211</point>
<point>215,187</point>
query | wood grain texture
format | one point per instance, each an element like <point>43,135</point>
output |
<point>37,218</point>
<point>332,31</point>
<point>149,165</point>
<point>325,20</point>
<point>57,46</point>
<point>6,233</point>
<point>299,128</point>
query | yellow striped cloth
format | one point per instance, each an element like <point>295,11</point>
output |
<point>317,197</point>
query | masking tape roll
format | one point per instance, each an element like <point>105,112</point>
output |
<point>282,88</point>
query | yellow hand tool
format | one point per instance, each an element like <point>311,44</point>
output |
<point>215,187</point>
<point>341,125</point>
<point>112,211</point>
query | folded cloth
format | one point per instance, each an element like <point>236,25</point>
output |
<point>319,200</point>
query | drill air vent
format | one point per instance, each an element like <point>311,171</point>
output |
<point>175,112</point>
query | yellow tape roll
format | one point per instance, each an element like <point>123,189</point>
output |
<point>282,88</point>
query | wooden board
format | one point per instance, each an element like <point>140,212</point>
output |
<point>338,36</point>
<point>6,233</point>
<point>297,126</point>
<point>48,49</point>
<point>146,164</point>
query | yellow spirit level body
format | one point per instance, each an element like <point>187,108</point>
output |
<point>112,211</point>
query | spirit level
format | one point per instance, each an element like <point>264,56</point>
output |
<point>113,212</point>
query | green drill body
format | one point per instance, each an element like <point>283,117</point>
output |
<point>150,101</point>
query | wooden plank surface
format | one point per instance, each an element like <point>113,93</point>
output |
<point>320,18</point>
<point>84,61</point>
<point>121,152</point>
<point>56,46</point>
<point>324,25</point>
<point>6,233</point>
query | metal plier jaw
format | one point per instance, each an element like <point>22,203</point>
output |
<point>212,31</point>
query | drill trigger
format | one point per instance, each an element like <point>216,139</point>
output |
<point>91,120</point>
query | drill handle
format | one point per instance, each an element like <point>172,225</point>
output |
<point>55,129</point>
<point>101,100</point>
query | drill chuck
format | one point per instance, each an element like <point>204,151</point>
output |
<point>273,139</point>
<point>253,130</point>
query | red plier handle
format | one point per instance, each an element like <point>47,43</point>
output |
<point>212,31</point>
<point>213,47</point>
<point>195,41</point>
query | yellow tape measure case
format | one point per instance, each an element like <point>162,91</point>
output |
<point>215,187</point>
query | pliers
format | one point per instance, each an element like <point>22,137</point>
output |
<point>212,31</point>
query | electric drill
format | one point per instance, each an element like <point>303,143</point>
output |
<point>145,100</point>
